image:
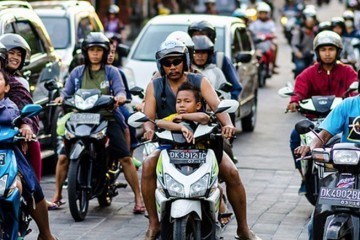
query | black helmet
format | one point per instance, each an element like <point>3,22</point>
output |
<point>11,41</point>
<point>170,48</point>
<point>203,26</point>
<point>113,9</point>
<point>3,55</point>
<point>324,25</point>
<point>338,21</point>
<point>327,38</point>
<point>96,39</point>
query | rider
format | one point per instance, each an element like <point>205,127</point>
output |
<point>347,54</point>
<point>97,74</point>
<point>21,96</point>
<point>173,63</point>
<point>351,31</point>
<point>112,24</point>
<point>223,62</point>
<point>302,41</point>
<point>326,77</point>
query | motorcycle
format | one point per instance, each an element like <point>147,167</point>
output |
<point>14,216</point>
<point>92,173</point>
<point>187,194</point>
<point>266,57</point>
<point>315,109</point>
<point>288,22</point>
<point>337,210</point>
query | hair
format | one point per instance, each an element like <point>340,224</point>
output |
<point>6,77</point>
<point>188,86</point>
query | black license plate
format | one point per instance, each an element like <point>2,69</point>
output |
<point>343,197</point>
<point>193,156</point>
<point>85,118</point>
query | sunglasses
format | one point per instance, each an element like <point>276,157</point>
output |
<point>175,62</point>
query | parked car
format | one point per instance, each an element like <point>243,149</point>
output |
<point>232,38</point>
<point>74,20</point>
<point>44,65</point>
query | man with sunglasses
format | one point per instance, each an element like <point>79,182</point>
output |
<point>173,62</point>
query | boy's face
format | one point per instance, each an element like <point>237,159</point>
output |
<point>4,88</point>
<point>186,102</point>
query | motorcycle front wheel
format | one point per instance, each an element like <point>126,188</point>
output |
<point>185,228</point>
<point>77,192</point>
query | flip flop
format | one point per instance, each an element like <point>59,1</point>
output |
<point>225,218</point>
<point>139,209</point>
<point>55,205</point>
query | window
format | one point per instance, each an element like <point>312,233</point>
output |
<point>30,35</point>
<point>236,44</point>
<point>53,24</point>
<point>9,28</point>
<point>245,40</point>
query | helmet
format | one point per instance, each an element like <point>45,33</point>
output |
<point>170,48</point>
<point>203,26</point>
<point>263,7</point>
<point>182,37</point>
<point>11,41</point>
<point>338,21</point>
<point>203,43</point>
<point>113,9</point>
<point>96,39</point>
<point>325,25</point>
<point>210,1</point>
<point>327,38</point>
<point>309,11</point>
<point>3,55</point>
<point>239,13</point>
<point>348,15</point>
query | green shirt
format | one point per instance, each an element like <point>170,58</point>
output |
<point>98,81</point>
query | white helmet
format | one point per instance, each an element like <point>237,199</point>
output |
<point>209,1</point>
<point>182,37</point>
<point>263,7</point>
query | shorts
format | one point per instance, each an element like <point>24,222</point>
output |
<point>118,147</point>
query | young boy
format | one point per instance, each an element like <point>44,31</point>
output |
<point>188,108</point>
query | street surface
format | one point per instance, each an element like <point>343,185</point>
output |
<point>275,211</point>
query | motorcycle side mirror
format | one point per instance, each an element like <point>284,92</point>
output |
<point>226,87</point>
<point>137,119</point>
<point>52,84</point>
<point>137,91</point>
<point>227,105</point>
<point>243,57</point>
<point>304,126</point>
<point>354,86</point>
<point>286,92</point>
<point>123,50</point>
<point>30,110</point>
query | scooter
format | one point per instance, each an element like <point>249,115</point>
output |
<point>14,217</point>
<point>187,194</point>
<point>337,211</point>
<point>92,173</point>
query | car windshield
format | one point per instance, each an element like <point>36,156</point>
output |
<point>156,34</point>
<point>53,24</point>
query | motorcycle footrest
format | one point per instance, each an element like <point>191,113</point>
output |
<point>120,185</point>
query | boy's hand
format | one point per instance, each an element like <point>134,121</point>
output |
<point>149,134</point>
<point>187,134</point>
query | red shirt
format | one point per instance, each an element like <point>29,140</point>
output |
<point>316,81</point>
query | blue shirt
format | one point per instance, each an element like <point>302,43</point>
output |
<point>341,116</point>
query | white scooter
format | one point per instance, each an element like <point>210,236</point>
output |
<point>187,194</point>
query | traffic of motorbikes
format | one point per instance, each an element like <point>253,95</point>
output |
<point>188,195</point>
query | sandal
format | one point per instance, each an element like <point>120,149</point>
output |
<point>252,236</point>
<point>139,209</point>
<point>225,218</point>
<point>55,205</point>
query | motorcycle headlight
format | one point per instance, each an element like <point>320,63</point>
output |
<point>346,157</point>
<point>3,181</point>
<point>82,104</point>
<point>99,135</point>
<point>283,20</point>
<point>174,188</point>
<point>199,188</point>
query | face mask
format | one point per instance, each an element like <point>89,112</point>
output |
<point>349,23</point>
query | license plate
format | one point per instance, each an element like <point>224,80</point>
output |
<point>340,197</point>
<point>85,118</point>
<point>193,156</point>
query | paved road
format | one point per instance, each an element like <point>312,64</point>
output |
<point>275,211</point>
